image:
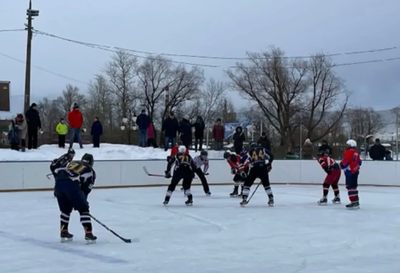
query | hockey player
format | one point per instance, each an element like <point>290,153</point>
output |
<point>238,180</point>
<point>256,158</point>
<point>199,161</point>
<point>351,163</point>
<point>184,169</point>
<point>61,162</point>
<point>73,185</point>
<point>332,178</point>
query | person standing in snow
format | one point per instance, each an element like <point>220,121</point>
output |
<point>96,132</point>
<point>143,122</point>
<point>238,139</point>
<point>170,127</point>
<point>151,141</point>
<point>75,120</point>
<point>186,132</point>
<point>21,124</point>
<point>199,128</point>
<point>34,124</point>
<point>62,130</point>
<point>218,133</point>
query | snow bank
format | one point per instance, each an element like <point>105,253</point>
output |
<point>105,152</point>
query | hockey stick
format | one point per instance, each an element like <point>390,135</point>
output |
<point>48,175</point>
<point>251,196</point>
<point>151,174</point>
<point>113,232</point>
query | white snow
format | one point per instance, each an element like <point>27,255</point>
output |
<point>105,152</point>
<point>216,235</point>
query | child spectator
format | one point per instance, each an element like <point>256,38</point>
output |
<point>62,130</point>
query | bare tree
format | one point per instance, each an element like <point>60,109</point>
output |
<point>50,114</point>
<point>121,73</point>
<point>211,99</point>
<point>276,84</point>
<point>70,95</point>
<point>325,101</point>
<point>364,121</point>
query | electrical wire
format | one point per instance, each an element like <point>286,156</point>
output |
<point>43,69</point>
<point>12,30</point>
<point>359,52</point>
<point>115,50</point>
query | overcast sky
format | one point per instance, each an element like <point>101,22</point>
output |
<point>203,27</point>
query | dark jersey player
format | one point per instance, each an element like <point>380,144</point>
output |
<point>259,161</point>
<point>61,162</point>
<point>184,170</point>
<point>73,185</point>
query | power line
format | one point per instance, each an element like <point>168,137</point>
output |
<point>43,69</point>
<point>12,30</point>
<point>359,52</point>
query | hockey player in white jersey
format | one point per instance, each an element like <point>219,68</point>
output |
<point>199,161</point>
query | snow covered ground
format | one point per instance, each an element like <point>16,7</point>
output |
<point>105,152</point>
<point>216,235</point>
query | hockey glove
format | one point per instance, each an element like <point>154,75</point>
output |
<point>243,174</point>
<point>168,158</point>
<point>233,171</point>
<point>167,174</point>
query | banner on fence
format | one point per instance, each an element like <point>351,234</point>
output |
<point>231,127</point>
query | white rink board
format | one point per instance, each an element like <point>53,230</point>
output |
<point>32,175</point>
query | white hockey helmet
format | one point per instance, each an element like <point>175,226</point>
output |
<point>351,143</point>
<point>182,149</point>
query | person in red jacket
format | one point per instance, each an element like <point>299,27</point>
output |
<point>75,120</point>
<point>218,134</point>
<point>332,169</point>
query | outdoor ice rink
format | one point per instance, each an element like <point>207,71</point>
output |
<point>215,235</point>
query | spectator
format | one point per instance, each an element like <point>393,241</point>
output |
<point>170,127</point>
<point>186,132</point>
<point>21,124</point>
<point>75,120</point>
<point>13,136</point>
<point>388,156</point>
<point>325,147</point>
<point>290,154</point>
<point>238,139</point>
<point>96,132</point>
<point>307,151</point>
<point>62,130</point>
<point>143,122</point>
<point>199,127</point>
<point>218,133</point>
<point>34,124</point>
<point>264,141</point>
<point>377,151</point>
<point>151,141</point>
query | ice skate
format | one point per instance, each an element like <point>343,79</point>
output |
<point>182,189</point>
<point>208,193</point>
<point>90,238</point>
<point>244,201</point>
<point>235,192</point>
<point>353,205</point>
<point>166,200</point>
<point>271,202</point>
<point>336,200</point>
<point>323,201</point>
<point>66,236</point>
<point>189,202</point>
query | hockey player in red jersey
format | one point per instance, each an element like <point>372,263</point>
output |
<point>332,178</point>
<point>238,180</point>
<point>351,163</point>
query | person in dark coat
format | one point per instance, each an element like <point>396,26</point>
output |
<point>34,124</point>
<point>377,151</point>
<point>199,127</point>
<point>96,132</point>
<point>238,139</point>
<point>13,138</point>
<point>264,141</point>
<point>170,127</point>
<point>143,122</point>
<point>185,128</point>
<point>325,147</point>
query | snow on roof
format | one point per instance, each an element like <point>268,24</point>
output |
<point>105,152</point>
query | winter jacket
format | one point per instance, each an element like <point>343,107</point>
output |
<point>22,128</point>
<point>238,137</point>
<point>170,127</point>
<point>62,129</point>
<point>186,132</point>
<point>13,134</point>
<point>377,152</point>
<point>218,132</point>
<point>150,132</point>
<point>265,143</point>
<point>199,127</point>
<point>143,121</point>
<point>307,151</point>
<point>33,119</point>
<point>75,119</point>
<point>324,148</point>
<point>97,128</point>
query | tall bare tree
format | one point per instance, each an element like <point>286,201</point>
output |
<point>50,114</point>
<point>276,84</point>
<point>363,121</point>
<point>211,99</point>
<point>70,95</point>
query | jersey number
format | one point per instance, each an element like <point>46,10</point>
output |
<point>76,167</point>
<point>257,156</point>
<point>184,158</point>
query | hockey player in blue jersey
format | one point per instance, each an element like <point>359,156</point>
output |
<point>73,185</point>
<point>61,162</point>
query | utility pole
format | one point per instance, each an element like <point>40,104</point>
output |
<point>30,13</point>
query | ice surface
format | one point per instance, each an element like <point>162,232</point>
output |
<point>215,235</point>
<point>105,152</point>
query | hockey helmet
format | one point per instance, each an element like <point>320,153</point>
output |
<point>227,154</point>
<point>351,143</point>
<point>204,154</point>
<point>321,153</point>
<point>88,159</point>
<point>71,151</point>
<point>182,149</point>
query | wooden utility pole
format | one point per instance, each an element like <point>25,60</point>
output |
<point>30,13</point>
